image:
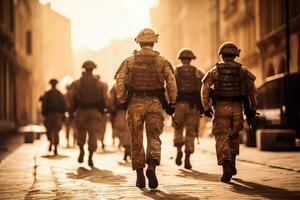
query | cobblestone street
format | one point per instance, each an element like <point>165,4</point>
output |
<point>30,172</point>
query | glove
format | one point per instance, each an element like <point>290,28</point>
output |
<point>209,113</point>
<point>170,109</point>
<point>124,105</point>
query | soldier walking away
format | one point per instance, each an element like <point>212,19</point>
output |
<point>233,84</point>
<point>53,109</point>
<point>140,88</point>
<point>119,115</point>
<point>188,106</point>
<point>89,103</point>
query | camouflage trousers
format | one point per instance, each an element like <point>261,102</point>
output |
<point>53,124</point>
<point>227,122</point>
<point>103,123</point>
<point>88,121</point>
<point>187,119</point>
<point>146,110</point>
<point>120,128</point>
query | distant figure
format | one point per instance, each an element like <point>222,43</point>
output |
<point>119,120</point>
<point>53,109</point>
<point>69,121</point>
<point>140,89</point>
<point>188,106</point>
<point>233,87</point>
<point>89,97</point>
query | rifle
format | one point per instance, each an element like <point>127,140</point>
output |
<point>164,103</point>
<point>250,114</point>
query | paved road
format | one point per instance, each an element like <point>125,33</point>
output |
<point>31,173</point>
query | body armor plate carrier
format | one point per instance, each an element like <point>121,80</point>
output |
<point>187,81</point>
<point>144,75</point>
<point>231,81</point>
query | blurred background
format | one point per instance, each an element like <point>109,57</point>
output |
<point>43,39</point>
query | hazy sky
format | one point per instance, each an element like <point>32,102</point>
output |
<point>96,22</point>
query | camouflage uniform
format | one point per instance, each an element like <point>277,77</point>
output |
<point>228,106</point>
<point>187,113</point>
<point>145,109</point>
<point>53,108</point>
<point>103,121</point>
<point>89,102</point>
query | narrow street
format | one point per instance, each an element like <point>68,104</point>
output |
<point>31,173</point>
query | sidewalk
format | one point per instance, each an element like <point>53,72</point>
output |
<point>289,160</point>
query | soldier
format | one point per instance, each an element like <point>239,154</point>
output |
<point>69,121</point>
<point>188,106</point>
<point>233,84</point>
<point>140,87</point>
<point>53,109</point>
<point>88,102</point>
<point>119,128</point>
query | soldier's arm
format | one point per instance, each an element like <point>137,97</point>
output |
<point>170,81</point>
<point>207,83</point>
<point>105,94</point>
<point>121,84</point>
<point>252,92</point>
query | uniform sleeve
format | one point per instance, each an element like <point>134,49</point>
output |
<point>170,81</point>
<point>121,85</point>
<point>105,94</point>
<point>207,83</point>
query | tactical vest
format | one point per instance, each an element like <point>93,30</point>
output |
<point>53,101</point>
<point>231,81</point>
<point>187,81</point>
<point>144,74</point>
<point>89,90</point>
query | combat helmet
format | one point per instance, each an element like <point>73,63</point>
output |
<point>89,65</point>
<point>229,48</point>
<point>53,82</point>
<point>146,35</point>
<point>186,53</point>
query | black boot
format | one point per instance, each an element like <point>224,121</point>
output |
<point>187,163</point>
<point>233,165</point>
<point>50,147</point>
<point>151,175</point>
<point>81,154</point>
<point>179,156</point>
<point>227,173</point>
<point>55,149</point>
<point>90,162</point>
<point>140,178</point>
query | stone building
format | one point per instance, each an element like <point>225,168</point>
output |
<point>256,26</point>
<point>35,46</point>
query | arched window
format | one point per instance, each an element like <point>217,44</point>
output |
<point>270,70</point>
<point>282,65</point>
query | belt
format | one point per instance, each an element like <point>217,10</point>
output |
<point>151,93</point>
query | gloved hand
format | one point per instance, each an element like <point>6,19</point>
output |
<point>209,113</point>
<point>170,109</point>
<point>124,105</point>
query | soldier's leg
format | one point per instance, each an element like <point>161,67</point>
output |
<point>234,138</point>
<point>55,140</point>
<point>190,123</point>
<point>67,125</point>
<point>81,138</point>
<point>178,134</point>
<point>135,127</point>
<point>154,127</point>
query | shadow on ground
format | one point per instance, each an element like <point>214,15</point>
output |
<point>199,175</point>
<point>258,190</point>
<point>157,195</point>
<point>55,157</point>
<point>96,175</point>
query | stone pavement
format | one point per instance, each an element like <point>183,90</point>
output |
<point>31,173</point>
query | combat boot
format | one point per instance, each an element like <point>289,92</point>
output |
<point>187,163</point>
<point>233,165</point>
<point>227,173</point>
<point>179,156</point>
<point>90,161</point>
<point>55,149</point>
<point>50,147</point>
<point>81,155</point>
<point>140,178</point>
<point>151,175</point>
